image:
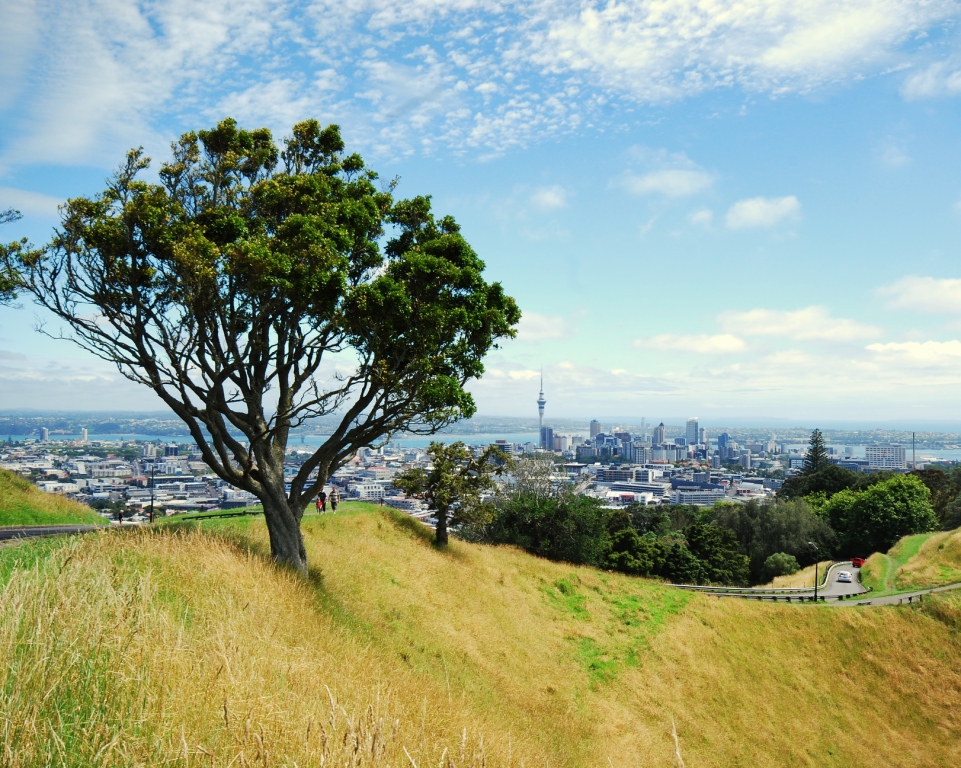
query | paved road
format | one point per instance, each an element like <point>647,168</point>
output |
<point>902,599</point>
<point>32,531</point>
<point>829,588</point>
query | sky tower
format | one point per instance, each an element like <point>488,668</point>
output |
<point>541,401</point>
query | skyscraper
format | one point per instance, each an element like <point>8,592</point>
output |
<point>660,434</point>
<point>595,428</point>
<point>541,402</point>
<point>692,431</point>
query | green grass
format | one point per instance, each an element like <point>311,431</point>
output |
<point>882,572</point>
<point>182,645</point>
<point>22,503</point>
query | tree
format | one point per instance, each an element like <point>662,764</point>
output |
<point>453,484</point>
<point>828,480</point>
<point>549,519</point>
<point>254,289</point>
<point>717,550</point>
<point>874,519</point>
<point>780,564</point>
<point>8,275</point>
<point>816,458</point>
<point>763,529</point>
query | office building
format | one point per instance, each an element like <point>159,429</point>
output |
<point>547,438</point>
<point>660,434</point>
<point>595,428</point>
<point>885,456</point>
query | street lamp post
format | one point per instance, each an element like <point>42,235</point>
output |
<point>817,557</point>
<point>153,474</point>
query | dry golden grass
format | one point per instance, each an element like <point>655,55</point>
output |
<point>803,578</point>
<point>937,562</point>
<point>191,649</point>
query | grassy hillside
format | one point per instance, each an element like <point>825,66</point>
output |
<point>187,647</point>
<point>22,503</point>
<point>916,562</point>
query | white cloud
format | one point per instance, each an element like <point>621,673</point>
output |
<point>810,323</point>
<point>925,294</point>
<point>920,353</point>
<point>703,218</point>
<point>549,198</point>
<point>666,50</point>
<point>670,183</point>
<point>701,344</point>
<point>892,154</point>
<point>537,327</point>
<point>672,174</point>
<point>762,212</point>
<point>937,80</point>
<point>89,79</point>
<point>29,203</point>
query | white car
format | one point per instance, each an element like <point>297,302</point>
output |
<point>844,576</point>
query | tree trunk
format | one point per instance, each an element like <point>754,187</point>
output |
<point>286,540</point>
<point>441,535</point>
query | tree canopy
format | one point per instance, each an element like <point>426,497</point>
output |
<point>255,288</point>
<point>874,519</point>
<point>816,457</point>
<point>8,275</point>
<point>453,484</point>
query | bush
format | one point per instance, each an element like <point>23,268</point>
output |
<point>780,564</point>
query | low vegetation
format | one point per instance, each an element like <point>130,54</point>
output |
<point>916,562</point>
<point>22,503</point>
<point>186,646</point>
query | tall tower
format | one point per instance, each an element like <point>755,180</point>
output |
<point>541,401</point>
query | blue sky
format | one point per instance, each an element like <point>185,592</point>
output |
<point>725,208</point>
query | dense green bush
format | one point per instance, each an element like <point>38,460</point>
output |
<point>780,564</point>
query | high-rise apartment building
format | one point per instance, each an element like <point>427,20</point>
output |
<point>692,434</point>
<point>44,434</point>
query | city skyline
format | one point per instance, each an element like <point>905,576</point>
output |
<point>739,212</point>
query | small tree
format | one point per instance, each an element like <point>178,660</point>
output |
<point>8,275</point>
<point>255,289</point>
<point>816,458</point>
<point>453,484</point>
<point>780,564</point>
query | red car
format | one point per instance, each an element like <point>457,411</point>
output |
<point>857,562</point>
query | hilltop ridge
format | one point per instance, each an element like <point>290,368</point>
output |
<point>186,645</point>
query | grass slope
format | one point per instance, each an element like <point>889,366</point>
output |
<point>916,562</point>
<point>22,503</point>
<point>187,647</point>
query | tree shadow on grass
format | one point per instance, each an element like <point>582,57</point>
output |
<point>421,532</point>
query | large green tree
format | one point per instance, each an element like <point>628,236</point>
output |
<point>874,519</point>
<point>255,288</point>
<point>453,484</point>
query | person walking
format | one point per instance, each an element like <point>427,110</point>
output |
<point>334,498</point>
<point>321,502</point>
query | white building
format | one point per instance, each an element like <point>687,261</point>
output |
<point>885,456</point>
<point>692,434</point>
<point>699,497</point>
